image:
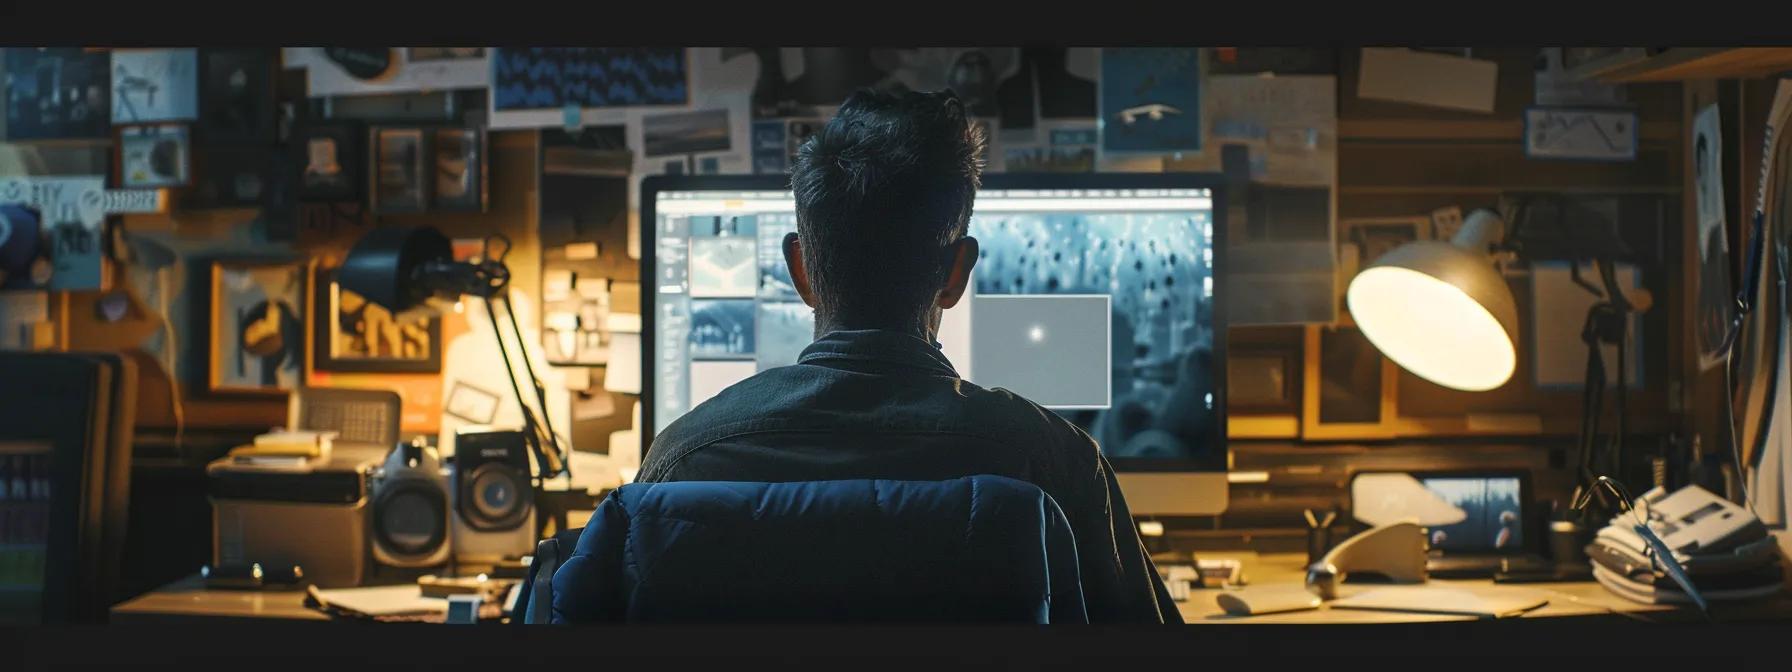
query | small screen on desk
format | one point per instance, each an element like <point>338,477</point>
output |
<point>1495,514</point>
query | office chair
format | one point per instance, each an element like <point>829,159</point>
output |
<point>975,549</point>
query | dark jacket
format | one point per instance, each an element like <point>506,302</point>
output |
<point>887,405</point>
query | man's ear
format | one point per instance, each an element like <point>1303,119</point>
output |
<point>958,278</point>
<point>793,260</point>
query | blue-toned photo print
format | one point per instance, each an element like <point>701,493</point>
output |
<point>1157,271</point>
<point>722,329</point>
<point>1151,99</point>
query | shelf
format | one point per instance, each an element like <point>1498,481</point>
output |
<point>1684,63</point>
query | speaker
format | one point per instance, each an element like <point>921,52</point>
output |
<point>410,509</point>
<point>494,501</point>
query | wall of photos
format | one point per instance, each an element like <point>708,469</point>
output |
<point>273,162</point>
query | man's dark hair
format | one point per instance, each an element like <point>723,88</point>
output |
<point>881,191</point>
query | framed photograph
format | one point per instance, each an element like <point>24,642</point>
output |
<point>472,403</point>
<point>256,327</point>
<point>1263,379</point>
<point>459,157</point>
<point>1348,389</point>
<point>236,96</point>
<point>58,93</point>
<point>1583,134</point>
<point>230,177</point>
<point>154,156</point>
<point>353,334</point>
<point>329,162</point>
<point>399,170</point>
<point>154,85</point>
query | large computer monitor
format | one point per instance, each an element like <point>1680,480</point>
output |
<point>1095,295</point>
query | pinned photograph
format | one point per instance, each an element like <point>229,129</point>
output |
<point>330,162</point>
<point>1151,100</point>
<point>1715,299</point>
<point>58,93</point>
<point>154,85</point>
<point>460,169</point>
<point>154,156</point>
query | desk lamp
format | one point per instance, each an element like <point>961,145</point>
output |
<point>400,268</point>
<point>1440,310</point>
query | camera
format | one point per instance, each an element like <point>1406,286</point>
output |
<point>410,509</point>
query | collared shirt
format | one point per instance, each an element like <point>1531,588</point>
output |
<point>884,404</point>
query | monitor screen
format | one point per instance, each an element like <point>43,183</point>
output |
<point>1495,515</point>
<point>1095,299</point>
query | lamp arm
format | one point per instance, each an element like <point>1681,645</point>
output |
<point>553,459</point>
<point>532,429</point>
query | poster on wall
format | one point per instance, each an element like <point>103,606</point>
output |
<point>1151,100</point>
<point>57,94</point>
<point>73,213</point>
<point>1048,83</point>
<point>256,327</point>
<point>336,71</point>
<point>154,85</point>
<point>1715,295</point>
<point>535,87</point>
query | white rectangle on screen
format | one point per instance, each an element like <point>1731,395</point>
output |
<point>709,378</point>
<point>1053,349</point>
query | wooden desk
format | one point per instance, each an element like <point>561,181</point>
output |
<point>189,600</point>
<point>1581,599</point>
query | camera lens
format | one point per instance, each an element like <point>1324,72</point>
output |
<point>496,494</point>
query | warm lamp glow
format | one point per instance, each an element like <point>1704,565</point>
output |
<point>1432,328</point>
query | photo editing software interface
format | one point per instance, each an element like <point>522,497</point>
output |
<point>1095,303</point>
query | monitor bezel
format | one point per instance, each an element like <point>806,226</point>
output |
<point>1215,183</point>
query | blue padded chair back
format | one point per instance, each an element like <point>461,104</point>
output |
<point>974,549</point>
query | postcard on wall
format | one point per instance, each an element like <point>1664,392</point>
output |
<point>1151,100</point>
<point>155,85</point>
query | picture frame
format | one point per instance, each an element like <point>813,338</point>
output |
<point>154,85</point>
<point>351,334</point>
<point>1580,134</point>
<point>398,169</point>
<point>459,156</point>
<point>256,327</point>
<point>329,161</point>
<point>230,177</point>
<point>1349,390</point>
<point>236,96</point>
<point>154,156</point>
<point>1263,379</point>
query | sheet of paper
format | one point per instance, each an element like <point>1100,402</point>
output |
<point>1289,124</point>
<point>1420,78</point>
<point>556,284</point>
<point>581,251</point>
<point>577,378</point>
<point>623,373</point>
<point>592,288</point>
<point>384,600</point>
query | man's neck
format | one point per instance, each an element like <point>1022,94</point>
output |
<point>824,325</point>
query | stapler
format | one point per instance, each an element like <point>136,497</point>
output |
<point>1394,550</point>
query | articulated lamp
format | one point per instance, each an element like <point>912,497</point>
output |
<point>400,268</point>
<point>1440,309</point>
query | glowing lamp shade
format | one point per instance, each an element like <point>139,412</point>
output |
<point>1441,311</point>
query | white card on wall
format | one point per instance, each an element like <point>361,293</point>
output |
<point>1580,133</point>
